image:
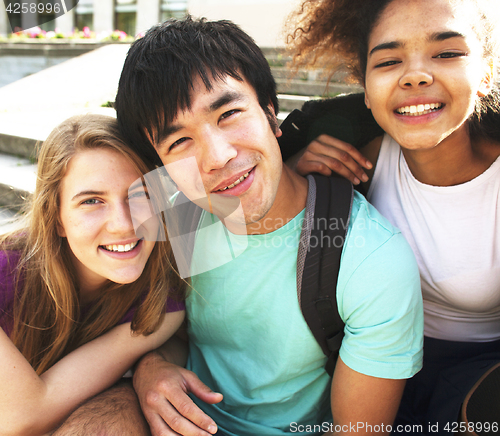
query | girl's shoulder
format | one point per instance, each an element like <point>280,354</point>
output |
<point>9,261</point>
<point>9,273</point>
<point>371,151</point>
<point>489,149</point>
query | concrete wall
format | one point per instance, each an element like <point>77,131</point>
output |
<point>65,23</point>
<point>148,14</point>
<point>23,59</point>
<point>261,19</point>
<point>4,21</point>
<point>16,67</point>
<point>104,16</point>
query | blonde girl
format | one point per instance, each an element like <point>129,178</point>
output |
<point>81,296</point>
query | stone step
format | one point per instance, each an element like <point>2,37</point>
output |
<point>315,88</point>
<point>18,146</point>
<point>17,180</point>
<point>285,73</point>
<point>272,51</point>
<point>318,75</point>
<point>290,102</point>
<point>6,218</point>
<point>85,81</point>
<point>276,56</point>
<point>20,131</point>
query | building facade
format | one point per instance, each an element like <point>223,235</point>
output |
<point>263,20</point>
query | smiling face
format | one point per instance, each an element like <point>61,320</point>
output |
<point>425,71</point>
<point>95,219</point>
<point>228,136</point>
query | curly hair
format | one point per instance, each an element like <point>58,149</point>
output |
<point>334,34</point>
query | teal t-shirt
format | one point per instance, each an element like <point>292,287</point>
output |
<point>249,340</point>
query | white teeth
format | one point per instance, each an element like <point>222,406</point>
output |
<point>121,248</point>
<point>416,110</point>
<point>232,185</point>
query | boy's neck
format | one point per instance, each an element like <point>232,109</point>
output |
<point>290,199</point>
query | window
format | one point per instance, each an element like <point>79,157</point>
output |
<point>84,14</point>
<point>126,13</point>
<point>173,9</point>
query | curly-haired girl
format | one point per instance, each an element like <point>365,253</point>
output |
<point>429,70</point>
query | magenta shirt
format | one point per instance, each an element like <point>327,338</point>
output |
<point>8,272</point>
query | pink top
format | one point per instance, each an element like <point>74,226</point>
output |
<point>8,272</point>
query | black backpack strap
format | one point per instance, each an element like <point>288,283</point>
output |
<point>318,263</point>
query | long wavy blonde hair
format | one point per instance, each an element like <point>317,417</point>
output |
<point>46,320</point>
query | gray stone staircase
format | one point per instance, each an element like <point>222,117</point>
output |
<point>295,88</point>
<point>31,107</point>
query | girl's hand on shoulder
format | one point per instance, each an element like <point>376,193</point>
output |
<point>326,154</point>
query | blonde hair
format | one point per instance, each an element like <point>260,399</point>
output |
<point>46,322</point>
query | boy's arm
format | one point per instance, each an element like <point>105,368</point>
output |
<point>380,301</point>
<point>361,404</point>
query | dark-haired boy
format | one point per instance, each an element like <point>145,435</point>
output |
<point>203,90</point>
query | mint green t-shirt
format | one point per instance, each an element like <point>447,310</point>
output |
<point>249,340</point>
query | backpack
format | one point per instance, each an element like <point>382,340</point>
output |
<point>328,209</point>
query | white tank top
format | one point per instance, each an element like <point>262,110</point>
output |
<point>455,234</point>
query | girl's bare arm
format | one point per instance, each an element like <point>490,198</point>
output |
<point>33,405</point>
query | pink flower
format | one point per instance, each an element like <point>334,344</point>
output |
<point>34,32</point>
<point>86,32</point>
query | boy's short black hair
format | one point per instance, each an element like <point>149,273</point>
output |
<point>160,69</point>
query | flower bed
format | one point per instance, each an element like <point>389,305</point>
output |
<point>36,34</point>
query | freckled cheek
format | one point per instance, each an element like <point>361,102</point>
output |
<point>82,229</point>
<point>374,98</point>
